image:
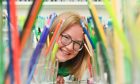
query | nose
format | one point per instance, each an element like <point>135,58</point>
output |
<point>70,46</point>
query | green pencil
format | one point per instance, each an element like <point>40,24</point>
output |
<point>1,46</point>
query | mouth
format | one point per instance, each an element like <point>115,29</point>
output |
<point>64,52</point>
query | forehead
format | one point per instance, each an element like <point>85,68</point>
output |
<point>75,31</point>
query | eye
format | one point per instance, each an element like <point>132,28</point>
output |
<point>66,39</point>
<point>79,42</point>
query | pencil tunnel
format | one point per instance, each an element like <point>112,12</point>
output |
<point>69,41</point>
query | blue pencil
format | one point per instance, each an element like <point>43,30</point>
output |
<point>10,66</point>
<point>86,32</point>
<point>37,51</point>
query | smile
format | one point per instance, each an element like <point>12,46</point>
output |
<point>65,52</point>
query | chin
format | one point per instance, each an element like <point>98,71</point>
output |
<point>61,59</point>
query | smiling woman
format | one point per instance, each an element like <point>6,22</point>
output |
<point>71,54</point>
<point>68,48</point>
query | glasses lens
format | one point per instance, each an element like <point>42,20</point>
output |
<point>77,46</point>
<point>66,40</point>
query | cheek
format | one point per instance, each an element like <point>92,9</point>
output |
<point>59,43</point>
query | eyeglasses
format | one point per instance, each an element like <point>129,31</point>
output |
<point>66,40</point>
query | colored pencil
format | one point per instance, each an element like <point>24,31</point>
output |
<point>41,43</point>
<point>1,46</point>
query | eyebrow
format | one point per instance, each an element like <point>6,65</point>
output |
<point>78,41</point>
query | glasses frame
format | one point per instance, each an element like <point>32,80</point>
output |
<point>81,45</point>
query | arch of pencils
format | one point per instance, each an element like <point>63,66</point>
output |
<point>114,56</point>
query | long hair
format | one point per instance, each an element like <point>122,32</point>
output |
<point>78,64</point>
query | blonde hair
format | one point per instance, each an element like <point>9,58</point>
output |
<point>78,64</point>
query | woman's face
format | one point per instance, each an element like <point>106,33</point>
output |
<point>70,43</point>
